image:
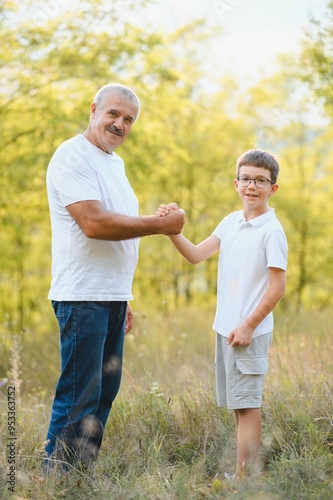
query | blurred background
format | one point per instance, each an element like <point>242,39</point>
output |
<point>214,78</point>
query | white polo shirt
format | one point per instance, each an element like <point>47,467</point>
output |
<point>247,250</point>
<point>83,268</point>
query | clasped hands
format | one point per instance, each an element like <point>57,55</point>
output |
<point>174,218</point>
<point>165,209</point>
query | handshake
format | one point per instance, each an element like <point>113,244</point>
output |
<point>174,218</point>
<point>165,209</point>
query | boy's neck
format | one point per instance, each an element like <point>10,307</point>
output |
<point>252,214</point>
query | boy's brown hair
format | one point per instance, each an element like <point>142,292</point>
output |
<point>259,158</point>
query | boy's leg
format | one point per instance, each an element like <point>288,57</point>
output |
<point>248,424</point>
<point>239,375</point>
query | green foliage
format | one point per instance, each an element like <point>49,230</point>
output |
<point>165,437</point>
<point>282,114</point>
<point>317,57</point>
<point>183,148</point>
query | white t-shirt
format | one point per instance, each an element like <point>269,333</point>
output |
<point>83,268</point>
<point>247,250</point>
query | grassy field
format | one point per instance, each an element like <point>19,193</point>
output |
<point>166,439</point>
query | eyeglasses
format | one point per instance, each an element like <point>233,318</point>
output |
<point>259,182</point>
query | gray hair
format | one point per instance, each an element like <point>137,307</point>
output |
<point>259,158</point>
<point>121,90</point>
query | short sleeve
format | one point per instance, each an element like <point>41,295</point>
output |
<point>220,230</point>
<point>73,178</point>
<point>277,250</point>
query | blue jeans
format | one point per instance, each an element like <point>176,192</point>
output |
<point>91,349</point>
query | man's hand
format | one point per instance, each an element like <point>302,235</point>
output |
<point>129,319</point>
<point>241,336</point>
<point>173,219</point>
<point>174,216</point>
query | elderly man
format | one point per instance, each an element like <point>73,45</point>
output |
<point>95,238</point>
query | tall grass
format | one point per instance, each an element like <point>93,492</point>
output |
<point>166,439</point>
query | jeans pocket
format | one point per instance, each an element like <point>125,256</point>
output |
<point>59,311</point>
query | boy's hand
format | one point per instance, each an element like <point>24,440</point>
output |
<point>165,209</point>
<point>241,336</point>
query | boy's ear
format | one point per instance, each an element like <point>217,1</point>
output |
<point>275,187</point>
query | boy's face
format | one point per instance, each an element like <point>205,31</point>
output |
<point>254,197</point>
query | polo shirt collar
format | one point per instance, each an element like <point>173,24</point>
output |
<point>258,221</point>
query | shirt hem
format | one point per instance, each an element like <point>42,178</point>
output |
<point>255,334</point>
<point>90,298</point>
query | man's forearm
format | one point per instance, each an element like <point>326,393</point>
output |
<point>100,224</point>
<point>116,227</point>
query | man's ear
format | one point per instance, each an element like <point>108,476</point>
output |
<point>92,109</point>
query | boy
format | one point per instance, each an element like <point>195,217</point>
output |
<point>251,281</point>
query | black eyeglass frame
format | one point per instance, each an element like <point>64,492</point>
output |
<point>240,178</point>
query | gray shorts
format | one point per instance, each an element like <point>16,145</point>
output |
<point>240,372</point>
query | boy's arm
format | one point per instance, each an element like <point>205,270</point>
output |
<point>192,253</point>
<point>195,253</point>
<point>242,335</point>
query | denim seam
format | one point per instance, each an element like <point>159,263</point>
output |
<point>73,381</point>
<point>74,354</point>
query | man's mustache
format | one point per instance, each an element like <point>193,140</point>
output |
<point>116,131</point>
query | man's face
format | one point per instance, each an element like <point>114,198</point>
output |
<point>111,122</point>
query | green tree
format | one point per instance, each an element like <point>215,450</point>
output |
<point>48,70</point>
<point>317,57</point>
<point>282,112</point>
<point>190,159</point>
<point>52,66</point>
<point>183,148</point>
